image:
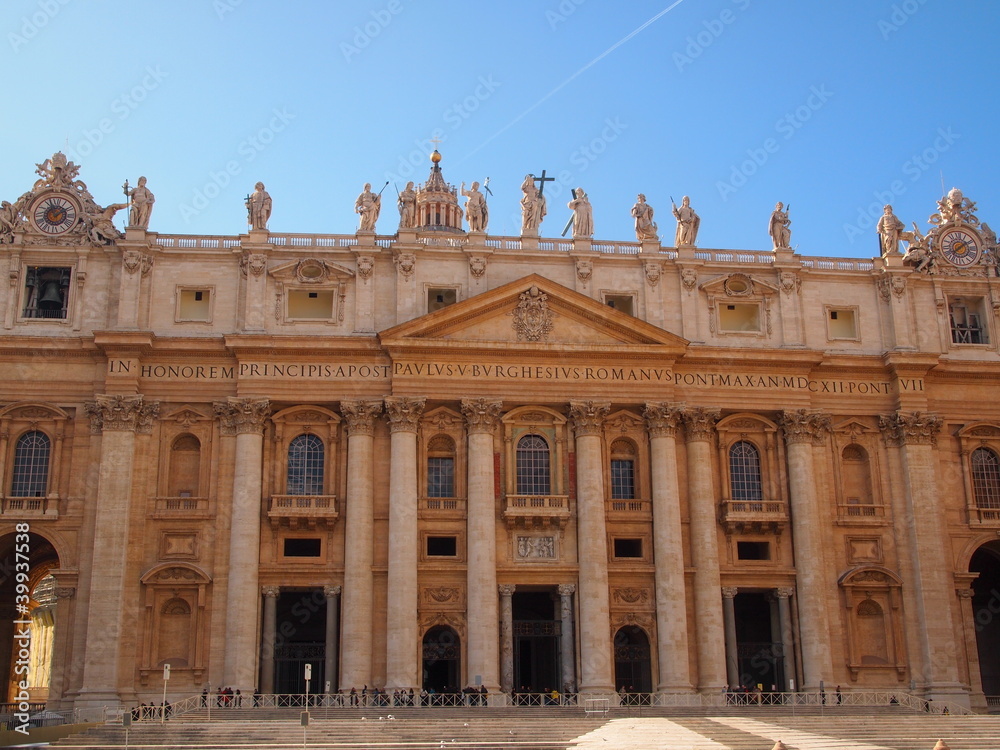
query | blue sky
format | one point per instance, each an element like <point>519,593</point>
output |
<point>833,107</point>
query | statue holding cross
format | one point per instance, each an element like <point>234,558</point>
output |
<point>533,208</point>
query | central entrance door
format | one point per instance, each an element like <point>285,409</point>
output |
<point>758,642</point>
<point>537,637</point>
<point>442,660</point>
<point>300,639</point>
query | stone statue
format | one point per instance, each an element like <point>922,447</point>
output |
<point>890,230</point>
<point>645,227</point>
<point>688,223</point>
<point>407,203</point>
<point>101,228</point>
<point>142,205</point>
<point>258,207</point>
<point>583,214</point>
<point>781,235</point>
<point>918,254</point>
<point>368,205</point>
<point>477,213</point>
<point>10,220</point>
<point>533,208</point>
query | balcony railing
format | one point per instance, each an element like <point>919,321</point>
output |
<point>536,510</point>
<point>443,507</point>
<point>631,508</point>
<point>180,507</point>
<point>753,516</point>
<point>985,517</point>
<point>303,510</point>
<point>860,512</point>
<point>30,507</point>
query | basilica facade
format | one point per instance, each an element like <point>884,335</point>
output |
<point>439,458</point>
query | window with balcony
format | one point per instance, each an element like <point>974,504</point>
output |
<point>30,476</point>
<point>441,467</point>
<point>305,466</point>
<point>745,488</point>
<point>986,479</point>
<point>533,469</point>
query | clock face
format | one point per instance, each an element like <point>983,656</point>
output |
<point>959,247</point>
<point>54,215</point>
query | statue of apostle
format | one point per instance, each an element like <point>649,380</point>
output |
<point>645,227</point>
<point>368,205</point>
<point>688,223</point>
<point>258,207</point>
<point>477,213</point>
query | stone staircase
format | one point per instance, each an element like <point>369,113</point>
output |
<point>549,728</point>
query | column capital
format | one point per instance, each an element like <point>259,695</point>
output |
<point>120,413</point>
<point>270,592</point>
<point>68,592</point>
<point>916,428</point>
<point>784,593</point>
<point>566,589</point>
<point>331,591</point>
<point>481,414</point>
<point>662,418</point>
<point>699,423</point>
<point>404,412</point>
<point>360,416</point>
<point>506,589</point>
<point>965,593</point>
<point>804,426</point>
<point>241,416</point>
<point>588,416</point>
<point>730,592</point>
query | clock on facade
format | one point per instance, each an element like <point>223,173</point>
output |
<point>54,214</point>
<point>960,247</point>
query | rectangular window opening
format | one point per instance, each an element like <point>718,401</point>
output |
<point>753,550</point>
<point>304,304</point>
<point>46,292</point>
<point>302,547</point>
<point>842,324</point>
<point>194,304</point>
<point>442,546</point>
<point>620,302</point>
<point>968,320</point>
<point>628,547</point>
<point>440,298</point>
<point>738,318</point>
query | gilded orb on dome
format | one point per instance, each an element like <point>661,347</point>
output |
<point>436,156</point>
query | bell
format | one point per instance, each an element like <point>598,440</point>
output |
<point>51,298</point>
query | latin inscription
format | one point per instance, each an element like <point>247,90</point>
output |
<point>509,372</point>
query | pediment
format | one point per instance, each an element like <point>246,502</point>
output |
<point>532,312</point>
<point>311,271</point>
<point>738,285</point>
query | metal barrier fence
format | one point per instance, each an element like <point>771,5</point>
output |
<point>216,703</point>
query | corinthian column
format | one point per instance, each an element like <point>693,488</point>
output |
<point>402,667</point>
<point>596,668</point>
<point>117,419</point>
<point>567,652</point>
<point>802,430</point>
<point>331,662</point>
<point>356,661</point>
<point>481,572</point>
<point>245,418</point>
<point>506,591</point>
<point>699,429</point>
<point>668,551</point>
<point>267,644</point>
<point>913,436</point>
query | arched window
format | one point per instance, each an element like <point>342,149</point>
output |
<point>986,478</point>
<point>30,477</point>
<point>855,470</point>
<point>185,467</point>
<point>533,466</point>
<point>441,467</point>
<point>622,470</point>
<point>744,473</point>
<point>305,466</point>
<point>872,641</point>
